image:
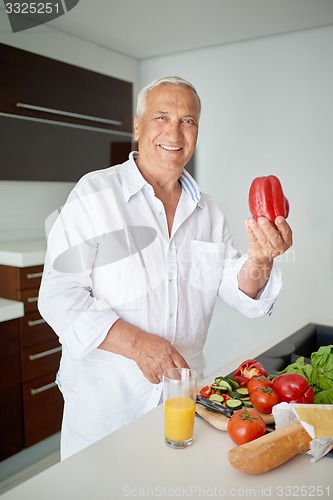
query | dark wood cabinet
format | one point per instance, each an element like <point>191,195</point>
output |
<point>11,419</point>
<point>34,358</point>
<point>59,121</point>
<point>67,93</point>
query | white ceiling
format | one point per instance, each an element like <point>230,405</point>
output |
<point>146,28</point>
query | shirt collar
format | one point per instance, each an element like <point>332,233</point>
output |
<point>190,187</point>
<point>133,181</point>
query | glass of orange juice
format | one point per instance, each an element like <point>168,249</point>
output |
<point>179,394</point>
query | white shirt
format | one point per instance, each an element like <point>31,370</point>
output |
<point>110,256</point>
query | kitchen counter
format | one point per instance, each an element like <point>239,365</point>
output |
<point>23,253</point>
<point>10,309</point>
<point>135,462</point>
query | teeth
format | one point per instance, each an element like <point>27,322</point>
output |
<point>169,148</point>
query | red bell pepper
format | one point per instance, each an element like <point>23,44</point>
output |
<point>206,391</point>
<point>248,369</point>
<point>266,198</point>
<point>293,388</point>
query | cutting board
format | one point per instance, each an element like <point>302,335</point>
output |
<point>220,421</point>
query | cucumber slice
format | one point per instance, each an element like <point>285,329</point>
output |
<point>234,384</point>
<point>217,398</point>
<point>234,404</point>
<point>247,404</point>
<point>242,392</point>
<point>217,388</point>
<point>225,385</point>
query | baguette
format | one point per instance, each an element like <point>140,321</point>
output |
<point>271,450</point>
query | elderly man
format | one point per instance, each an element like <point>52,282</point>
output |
<point>135,262</point>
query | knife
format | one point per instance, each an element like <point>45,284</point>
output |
<point>211,405</point>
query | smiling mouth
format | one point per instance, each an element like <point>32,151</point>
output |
<point>169,148</point>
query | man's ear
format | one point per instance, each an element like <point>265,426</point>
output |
<point>136,127</point>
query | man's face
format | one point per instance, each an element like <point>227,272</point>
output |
<point>167,132</point>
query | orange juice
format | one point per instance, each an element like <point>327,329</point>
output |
<point>179,418</point>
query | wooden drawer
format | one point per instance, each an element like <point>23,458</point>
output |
<point>10,369</point>
<point>11,423</point>
<point>40,360</point>
<point>35,330</point>
<point>29,298</point>
<point>43,406</point>
<point>29,277</point>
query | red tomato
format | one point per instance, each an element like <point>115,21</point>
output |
<point>293,388</point>
<point>206,391</point>
<point>255,382</point>
<point>245,426</point>
<point>263,399</point>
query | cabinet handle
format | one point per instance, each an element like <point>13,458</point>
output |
<point>68,113</point>
<point>36,322</point>
<point>33,357</point>
<point>31,276</point>
<point>42,389</point>
<point>30,300</point>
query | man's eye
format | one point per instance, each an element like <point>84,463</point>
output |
<point>188,121</point>
<point>161,118</point>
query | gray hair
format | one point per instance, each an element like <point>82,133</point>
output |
<point>174,80</point>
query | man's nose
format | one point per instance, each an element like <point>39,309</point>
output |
<point>174,131</point>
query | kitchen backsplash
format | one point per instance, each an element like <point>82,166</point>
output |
<point>24,207</point>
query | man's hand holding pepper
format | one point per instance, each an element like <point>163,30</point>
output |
<point>266,241</point>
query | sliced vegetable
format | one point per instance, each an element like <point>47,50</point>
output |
<point>234,404</point>
<point>248,369</point>
<point>245,426</point>
<point>217,398</point>
<point>293,388</point>
<point>206,391</point>
<point>225,385</point>
<point>242,392</point>
<point>247,404</point>
<point>216,389</point>
<point>233,382</point>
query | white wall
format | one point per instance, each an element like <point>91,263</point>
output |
<point>267,109</point>
<point>25,205</point>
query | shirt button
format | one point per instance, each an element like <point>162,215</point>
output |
<point>171,315</point>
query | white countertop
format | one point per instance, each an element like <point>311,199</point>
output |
<point>135,462</point>
<point>23,253</point>
<point>10,309</point>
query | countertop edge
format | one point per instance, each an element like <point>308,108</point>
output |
<point>10,309</point>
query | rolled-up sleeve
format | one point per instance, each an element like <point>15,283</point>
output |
<point>234,297</point>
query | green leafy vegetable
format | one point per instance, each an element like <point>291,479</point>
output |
<point>319,373</point>
<point>299,366</point>
<point>322,363</point>
<point>324,397</point>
